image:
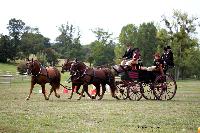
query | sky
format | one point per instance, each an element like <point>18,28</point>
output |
<point>111,15</point>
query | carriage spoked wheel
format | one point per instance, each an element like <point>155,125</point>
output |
<point>147,91</point>
<point>134,91</point>
<point>122,90</point>
<point>165,87</point>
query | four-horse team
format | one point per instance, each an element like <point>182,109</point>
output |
<point>134,77</point>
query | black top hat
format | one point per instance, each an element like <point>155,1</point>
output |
<point>168,47</point>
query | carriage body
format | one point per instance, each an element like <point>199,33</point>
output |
<point>147,84</point>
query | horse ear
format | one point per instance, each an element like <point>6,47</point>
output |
<point>27,59</point>
<point>66,60</point>
<point>32,59</point>
<point>76,60</point>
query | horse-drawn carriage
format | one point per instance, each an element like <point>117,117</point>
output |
<point>135,84</point>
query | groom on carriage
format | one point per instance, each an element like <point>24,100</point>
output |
<point>160,64</point>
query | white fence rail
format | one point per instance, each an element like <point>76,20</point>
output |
<point>6,78</point>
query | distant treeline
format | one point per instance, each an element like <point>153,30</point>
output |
<point>179,33</point>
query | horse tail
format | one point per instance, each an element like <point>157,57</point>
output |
<point>57,78</point>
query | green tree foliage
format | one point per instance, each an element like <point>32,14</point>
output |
<point>102,50</point>
<point>128,34</point>
<point>6,48</point>
<point>163,39</point>
<point>16,27</point>
<point>42,58</point>
<point>51,56</point>
<point>68,42</point>
<point>33,42</point>
<point>181,27</point>
<point>119,51</point>
<point>146,42</point>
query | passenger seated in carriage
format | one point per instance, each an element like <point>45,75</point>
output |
<point>158,64</point>
<point>128,54</point>
<point>136,63</point>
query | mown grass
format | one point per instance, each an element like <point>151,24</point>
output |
<point>10,68</point>
<point>181,114</point>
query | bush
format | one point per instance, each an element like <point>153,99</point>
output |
<point>22,68</point>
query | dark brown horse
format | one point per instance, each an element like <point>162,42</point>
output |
<point>41,75</point>
<point>93,76</point>
<point>77,82</point>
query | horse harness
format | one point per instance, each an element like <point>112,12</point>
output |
<point>84,73</point>
<point>41,74</point>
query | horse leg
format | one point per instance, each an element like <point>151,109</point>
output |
<point>54,89</point>
<point>30,91</point>
<point>97,86</point>
<point>44,92</point>
<point>77,89</point>
<point>85,87</point>
<point>103,91</point>
<point>113,88</point>
<point>73,87</point>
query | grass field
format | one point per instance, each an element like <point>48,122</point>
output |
<point>8,68</point>
<point>181,114</point>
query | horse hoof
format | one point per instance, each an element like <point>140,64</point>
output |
<point>116,97</point>
<point>79,99</point>
<point>47,98</point>
<point>100,98</point>
<point>69,98</point>
<point>93,97</point>
<point>27,99</point>
<point>83,95</point>
<point>58,96</point>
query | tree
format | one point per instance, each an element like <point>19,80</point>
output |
<point>68,42</point>
<point>102,49</point>
<point>163,39</point>
<point>32,43</point>
<point>15,28</point>
<point>128,34</point>
<point>146,42</point>
<point>51,56</point>
<point>5,49</point>
<point>181,27</point>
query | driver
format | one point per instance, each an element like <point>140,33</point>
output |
<point>127,55</point>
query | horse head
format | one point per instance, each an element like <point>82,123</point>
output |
<point>33,67</point>
<point>77,68</point>
<point>66,66</point>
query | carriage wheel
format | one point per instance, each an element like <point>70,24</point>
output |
<point>147,91</point>
<point>165,87</point>
<point>122,90</point>
<point>134,91</point>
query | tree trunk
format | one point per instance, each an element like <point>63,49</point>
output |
<point>177,72</point>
